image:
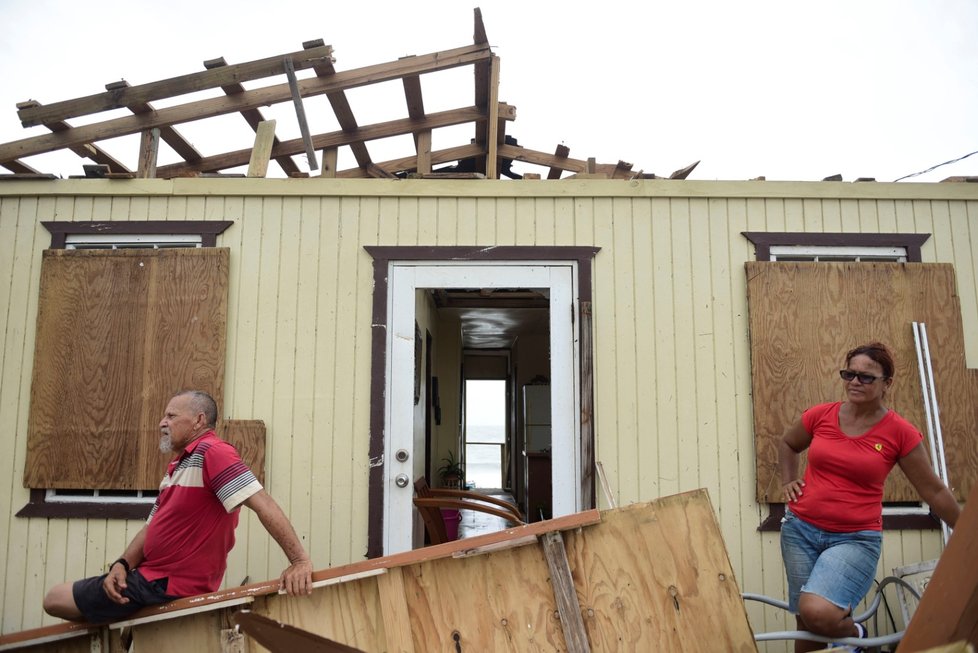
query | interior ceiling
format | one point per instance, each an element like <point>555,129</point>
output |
<point>495,318</point>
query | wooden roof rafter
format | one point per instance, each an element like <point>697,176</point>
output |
<point>489,154</point>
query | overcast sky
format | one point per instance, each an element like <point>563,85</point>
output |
<point>787,90</point>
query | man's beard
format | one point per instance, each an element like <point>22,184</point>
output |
<point>165,443</point>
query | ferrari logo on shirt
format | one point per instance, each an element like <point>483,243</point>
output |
<point>878,446</point>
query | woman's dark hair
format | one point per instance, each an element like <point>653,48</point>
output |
<point>878,352</point>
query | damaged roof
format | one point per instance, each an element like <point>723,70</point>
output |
<point>143,131</point>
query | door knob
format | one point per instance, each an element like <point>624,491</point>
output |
<point>401,480</point>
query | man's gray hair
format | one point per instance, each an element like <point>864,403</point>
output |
<point>202,403</point>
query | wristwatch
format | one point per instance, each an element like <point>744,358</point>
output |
<point>121,561</point>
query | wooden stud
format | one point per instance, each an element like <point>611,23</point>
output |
<point>492,121</point>
<point>261,152</point>
<point>424,151</point>
<point>562,152</point>
<point>149,147</point>
<point>575,636</point>
<point>330,155</point>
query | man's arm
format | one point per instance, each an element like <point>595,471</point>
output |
<point>297,577</point>
<point>115,582</point>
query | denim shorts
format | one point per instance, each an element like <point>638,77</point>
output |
<point>96,606</point>
<point>839,567</point>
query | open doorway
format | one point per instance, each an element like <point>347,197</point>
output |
<point>486,434</point>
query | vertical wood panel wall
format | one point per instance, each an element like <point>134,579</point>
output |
<point>672,361</point>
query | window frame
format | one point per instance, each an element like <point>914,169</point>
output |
<point>764,240</point>
<point>61,232</point>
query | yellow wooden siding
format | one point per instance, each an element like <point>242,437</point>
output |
<point>672,374</point>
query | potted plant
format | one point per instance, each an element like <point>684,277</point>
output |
<point>452,471</point>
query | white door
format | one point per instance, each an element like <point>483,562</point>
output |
<point>559,281</point>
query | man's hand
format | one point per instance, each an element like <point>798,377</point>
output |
<point>297,578</point>
<point>115,583</point>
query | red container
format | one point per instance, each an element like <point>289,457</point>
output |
<point>451,517</point>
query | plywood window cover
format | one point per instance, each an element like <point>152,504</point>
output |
<point>488,155</point>
<point>207,273</point>
<point>911,293</point>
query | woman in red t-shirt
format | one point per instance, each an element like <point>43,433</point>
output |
<point>831,532</point>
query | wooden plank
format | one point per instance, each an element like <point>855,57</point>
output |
<point>84,150</point>
<point>332,139</point>
<point>948,609</point>
<point>261,152</point>
<point>149,146</point>
<point>575,637</point>
<point>397,618</point>
<point>135,95</point>
<point>277,636</point>
<point>300,114</point>
<point>656,577</point>
<point>344,114</point>
<point>492,131</point>
<point>250,99</point>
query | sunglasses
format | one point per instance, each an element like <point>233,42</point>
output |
<point>865,379</point>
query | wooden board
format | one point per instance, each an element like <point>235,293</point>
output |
<point>804,317</point>
<point>649,577</point>
<point>118,332</point>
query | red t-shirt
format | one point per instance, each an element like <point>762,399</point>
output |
<point>191,527</point>
<point>844,479</point>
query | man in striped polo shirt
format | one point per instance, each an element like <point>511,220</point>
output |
<point>182,550</point>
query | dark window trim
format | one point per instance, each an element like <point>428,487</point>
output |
<point>382,256</point>
<point>208,230</point>
<point>763,240</point>
<point>38,507</point>
<point>890,522</point>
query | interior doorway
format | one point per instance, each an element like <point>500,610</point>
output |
<point>486,434</point>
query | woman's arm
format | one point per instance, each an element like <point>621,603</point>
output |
<point>795,440</point>
<point>916,465</point>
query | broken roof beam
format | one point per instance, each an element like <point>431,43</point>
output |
<point>562,152</point>
<point>482,77</point>
<point>247,100</point>
<point>115,99</point>
<point>415,106</point>
<point>341,109</point>
<point>517,153</point>
<point>170,136</point>
<point>84,150</point>
<point>253,117</point>
<point>407,164</point>
<point>20,168</point>
<point>334,139</point>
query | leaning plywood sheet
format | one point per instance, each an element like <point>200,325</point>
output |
<point>647,577</point>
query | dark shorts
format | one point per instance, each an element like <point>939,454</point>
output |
<point>96,606</point>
